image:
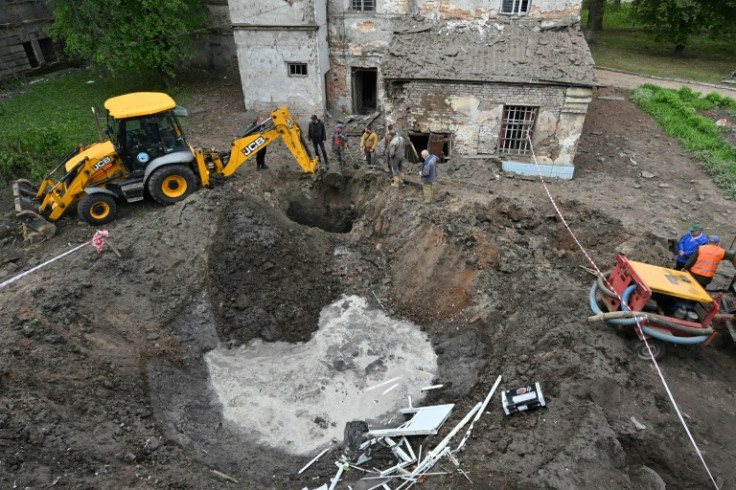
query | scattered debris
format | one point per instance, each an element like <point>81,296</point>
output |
<point>224,476</point>
<point>637,424</point>
<point>521,399</point>
<point>433,387</point>
<point>312,462</point>
<point>383,383</point>
<point>360,443</point>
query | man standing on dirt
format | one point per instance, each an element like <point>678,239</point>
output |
<point>429,175</point>
<point>260,154</point>
<point>396,152</point>
<point>386,142</point>
<point>318,136</point>
<point>368,143</point>
<point>338,145</point>
<point>689,244</point>
<point>703,263</point>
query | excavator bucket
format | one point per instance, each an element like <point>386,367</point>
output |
<point>35,227</point>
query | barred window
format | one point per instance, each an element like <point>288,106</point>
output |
<point>297,69</point>
<point>517,7</point>
<point>518,124</point>
<point>363,5</point>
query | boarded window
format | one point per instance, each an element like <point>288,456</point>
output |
<point>517,7</point>
<point>297,69</point>
<point>364,5</point>
<point>517,128</point>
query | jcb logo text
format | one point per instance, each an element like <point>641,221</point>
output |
<point>254,146</point>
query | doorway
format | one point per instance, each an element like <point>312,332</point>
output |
<point>439,144</point>
<point>365,85</point>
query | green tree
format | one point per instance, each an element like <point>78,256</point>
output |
<point>135,35</point>
<point>677,21</point>
<point>596,11</point>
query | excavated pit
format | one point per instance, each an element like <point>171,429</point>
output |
<point>488,273</point>
<point>335,311</point>
<point>331,219</point>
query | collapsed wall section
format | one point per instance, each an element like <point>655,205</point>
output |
<point>474,114</point>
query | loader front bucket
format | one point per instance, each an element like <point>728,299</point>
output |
<point>35,227</point>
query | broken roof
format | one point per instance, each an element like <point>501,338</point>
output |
<point>506,50</point>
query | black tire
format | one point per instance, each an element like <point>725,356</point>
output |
<point>657,346</point>
<point>171,184</point>
<point>97,209</point>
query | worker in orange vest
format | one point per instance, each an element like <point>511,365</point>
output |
<point>703,263</point>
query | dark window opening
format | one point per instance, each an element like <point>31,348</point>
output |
<point>47,50</point>
<point>365,86</point>
<point>439,144</point>
<point>517,7</point>
<point>363,5</point>
<point>31,54</point>
<point>516,129</point>
<point>297,69</point>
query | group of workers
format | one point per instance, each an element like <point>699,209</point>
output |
<point>395,152</point>
<point>700,254</point>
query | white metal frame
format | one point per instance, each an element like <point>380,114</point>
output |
<point>515,7</point>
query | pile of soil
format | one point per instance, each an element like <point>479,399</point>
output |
<point>102,381</point>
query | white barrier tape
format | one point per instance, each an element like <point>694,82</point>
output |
<point>638,324</point>
<point>97,241</point>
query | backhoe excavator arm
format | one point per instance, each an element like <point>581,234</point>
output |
<point>280,125</point>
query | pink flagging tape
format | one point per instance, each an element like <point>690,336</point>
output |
<point>638,324</point>
<point>98,240</point>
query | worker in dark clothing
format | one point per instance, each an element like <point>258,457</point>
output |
<point>703,263</point>
<point>318,136</point>
<point>260,154</point>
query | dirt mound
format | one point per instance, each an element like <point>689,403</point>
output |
<point>102,377</point>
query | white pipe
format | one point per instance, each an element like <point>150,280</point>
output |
<point>436,453</point>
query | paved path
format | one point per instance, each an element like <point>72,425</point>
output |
<point>613,78</point>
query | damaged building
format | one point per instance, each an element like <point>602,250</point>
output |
<point>24,45</point>
<point>469,78</point>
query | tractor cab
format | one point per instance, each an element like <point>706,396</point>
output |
<point>143,126</point>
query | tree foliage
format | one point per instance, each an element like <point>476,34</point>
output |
<point>134,35</point>
<point>677,21</point>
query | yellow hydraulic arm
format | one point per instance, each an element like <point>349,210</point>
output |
<point>280,125</point>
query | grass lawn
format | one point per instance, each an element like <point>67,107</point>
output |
<point>706,60</point>
<point>678,113</point>
<point>47,117</point>
<point>624,45</point>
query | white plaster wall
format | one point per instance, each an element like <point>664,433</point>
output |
<point>258,12</point>
<point>263,58</point>
<point>320,16</point>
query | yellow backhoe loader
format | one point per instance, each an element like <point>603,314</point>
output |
<point>146,155</point>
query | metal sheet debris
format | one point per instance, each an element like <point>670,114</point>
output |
<point>426,421</point>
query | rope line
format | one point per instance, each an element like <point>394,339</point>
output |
<point>638,322</point>
<point>97,241</point>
